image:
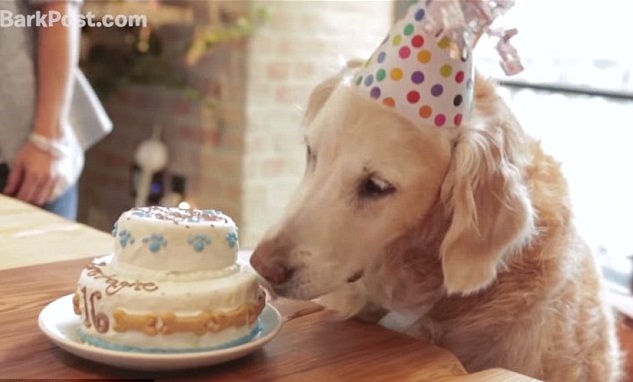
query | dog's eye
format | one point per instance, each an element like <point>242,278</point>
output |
<point>374,187</point>
<point>311,159</point>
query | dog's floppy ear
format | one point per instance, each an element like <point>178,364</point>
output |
<point>490,207</point>
<point>322,91</point>
<point>318,97</point>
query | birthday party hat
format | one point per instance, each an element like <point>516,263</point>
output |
<point>424,67</point>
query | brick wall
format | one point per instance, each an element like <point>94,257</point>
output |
<point>245,155</point>
<point>301,45</point>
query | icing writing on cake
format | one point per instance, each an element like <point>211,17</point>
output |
<point>99,320</point>
<point>115,285</point>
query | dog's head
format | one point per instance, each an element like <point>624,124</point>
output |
<point>374,182</point>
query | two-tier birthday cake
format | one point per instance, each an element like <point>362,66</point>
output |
<point>172,285</point>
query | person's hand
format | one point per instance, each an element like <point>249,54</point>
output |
<point>33,176</point>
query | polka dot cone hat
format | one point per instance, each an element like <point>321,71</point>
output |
<point>427,77</point>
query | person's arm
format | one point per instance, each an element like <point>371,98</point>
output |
<point>33,174</point>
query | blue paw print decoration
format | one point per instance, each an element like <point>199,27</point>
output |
<point>155,242</point>
<point>231,238</point>
<point>114,229</point>
<point>125,238</point>
<point>198,242</point>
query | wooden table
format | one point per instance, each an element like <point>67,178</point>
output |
<point>35,248</point>
<point>30,236</point>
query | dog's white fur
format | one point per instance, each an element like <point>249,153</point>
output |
<point>469,227</point>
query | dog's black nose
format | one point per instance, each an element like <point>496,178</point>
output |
<point>267,260</point>
<point>273,271</point>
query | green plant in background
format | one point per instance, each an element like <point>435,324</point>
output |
<point>140,55</point>
<point>210,36</point>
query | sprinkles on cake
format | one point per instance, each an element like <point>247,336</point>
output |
<point>179,215</point>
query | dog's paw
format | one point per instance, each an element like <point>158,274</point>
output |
<point>347,301</point>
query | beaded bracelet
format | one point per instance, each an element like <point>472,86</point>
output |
<point>48,145</point>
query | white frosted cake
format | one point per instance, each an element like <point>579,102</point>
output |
<point>172,285</point>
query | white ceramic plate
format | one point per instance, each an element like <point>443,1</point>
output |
<point>59,324</point>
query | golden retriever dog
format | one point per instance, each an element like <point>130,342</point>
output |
<point>469,228</point>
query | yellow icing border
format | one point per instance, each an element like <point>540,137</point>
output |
<point>209,321</point>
